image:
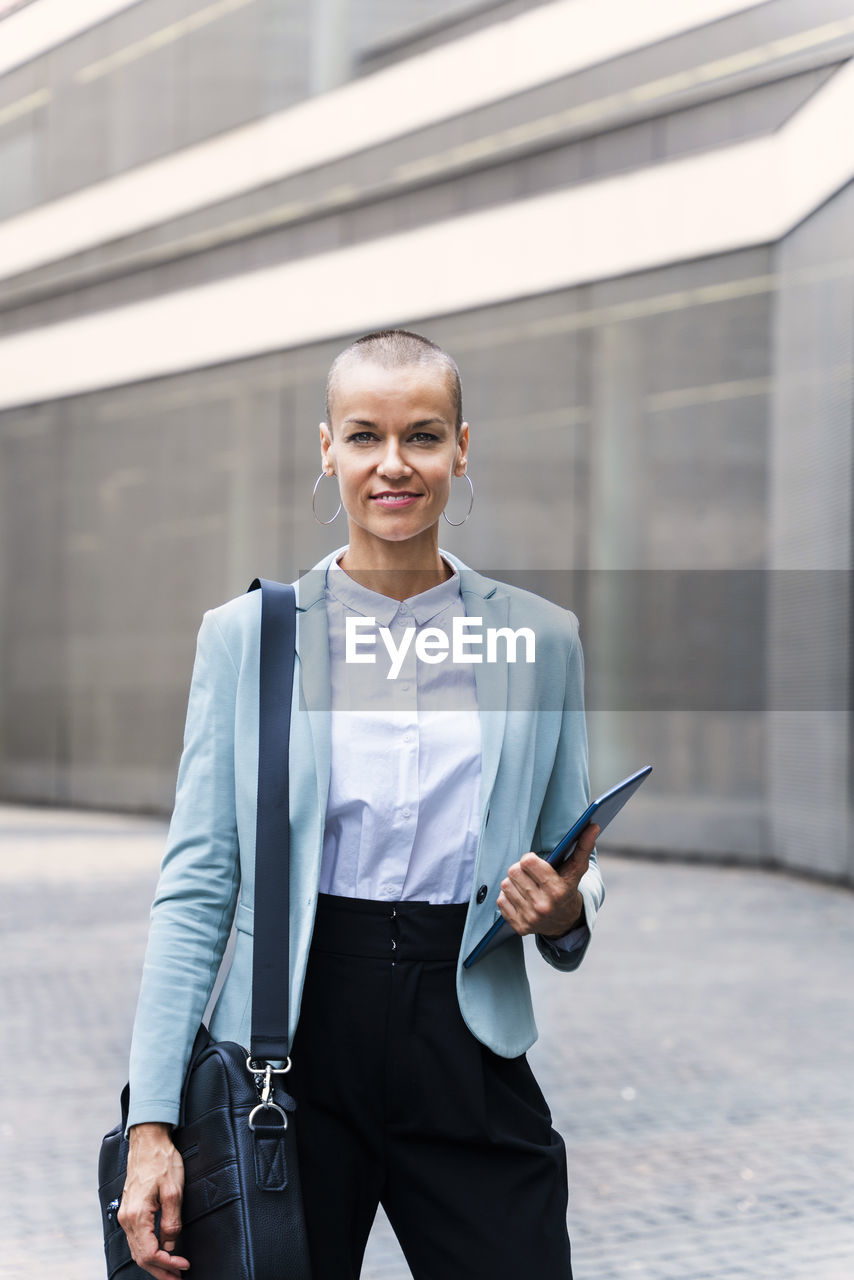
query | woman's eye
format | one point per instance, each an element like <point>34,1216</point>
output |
<point>368,437</point>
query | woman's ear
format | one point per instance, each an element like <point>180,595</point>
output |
<point>462,450</point>
<point>327,449</point>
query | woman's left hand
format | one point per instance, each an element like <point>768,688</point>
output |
<point>535,898</point>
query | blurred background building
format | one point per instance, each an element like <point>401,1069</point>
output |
<point>632,224</point>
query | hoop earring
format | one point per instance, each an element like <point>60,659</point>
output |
<point>466,476</point>
<point>314,499</point>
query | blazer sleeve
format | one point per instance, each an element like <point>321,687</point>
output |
<point>196,893</point>
<point>567,795</point>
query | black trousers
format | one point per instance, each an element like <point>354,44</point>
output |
<point>399,1104</point>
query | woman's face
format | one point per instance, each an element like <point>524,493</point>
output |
<point>394,449</point>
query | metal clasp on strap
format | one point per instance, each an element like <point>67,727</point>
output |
<point>264,1084</point>
<point>267,1107</point>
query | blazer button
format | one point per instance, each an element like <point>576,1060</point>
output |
<point>481,894</point>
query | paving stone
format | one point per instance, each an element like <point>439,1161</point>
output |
<point>698,1064</point>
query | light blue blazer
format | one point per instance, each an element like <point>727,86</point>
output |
<point>533,787</point>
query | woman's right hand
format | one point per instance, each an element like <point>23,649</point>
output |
<point>155,1180</point>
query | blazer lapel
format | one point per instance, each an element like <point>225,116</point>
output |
<point>482,599</point>
<point>313,657</point>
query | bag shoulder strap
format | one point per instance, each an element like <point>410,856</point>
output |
<point>270,973</point>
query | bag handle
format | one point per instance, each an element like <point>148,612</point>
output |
<point>270,956</point>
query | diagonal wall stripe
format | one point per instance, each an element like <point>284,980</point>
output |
<point>44,24</point>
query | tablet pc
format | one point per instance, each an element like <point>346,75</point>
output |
<point>601,811</point>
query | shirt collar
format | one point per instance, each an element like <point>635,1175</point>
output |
<point>371,604</point>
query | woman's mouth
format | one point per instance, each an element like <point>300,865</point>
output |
<point>395,500</point>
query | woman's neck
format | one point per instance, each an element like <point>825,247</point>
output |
<point>395,569</point>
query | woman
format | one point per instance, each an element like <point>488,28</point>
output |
<point>417,785</point>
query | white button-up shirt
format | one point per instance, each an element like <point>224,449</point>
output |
<point>403,810</point>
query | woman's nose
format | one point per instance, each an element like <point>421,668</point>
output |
<point>392,462</point>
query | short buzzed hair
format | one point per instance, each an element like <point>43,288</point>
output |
<point>396,349</point>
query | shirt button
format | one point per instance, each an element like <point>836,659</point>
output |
<point>405,688</point>
<point>481,894</point>
<point>406,813</point>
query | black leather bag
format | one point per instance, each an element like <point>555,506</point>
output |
<point>241,1215</point>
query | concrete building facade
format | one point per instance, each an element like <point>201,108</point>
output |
<point>634,228</point>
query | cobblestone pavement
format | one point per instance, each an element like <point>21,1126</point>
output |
<point>699,1064</point>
